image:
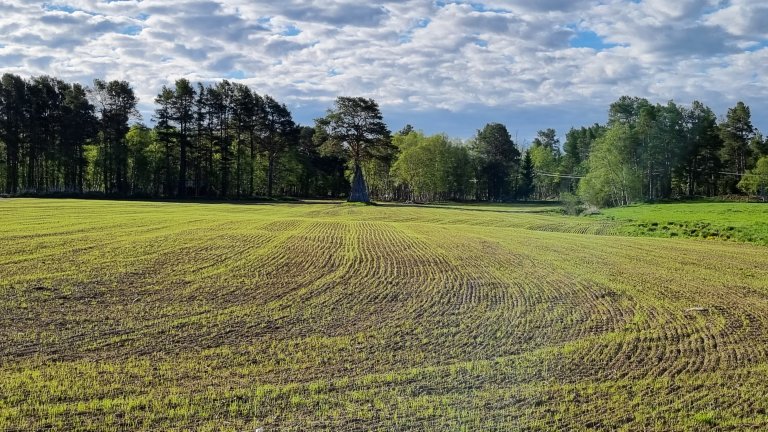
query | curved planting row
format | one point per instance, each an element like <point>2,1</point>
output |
<point>301,317</point>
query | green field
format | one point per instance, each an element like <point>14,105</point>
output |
<point>328,316</point>
<point>707,220</point>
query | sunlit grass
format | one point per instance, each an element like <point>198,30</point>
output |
<point>168,316</point>
<point>746,222</point>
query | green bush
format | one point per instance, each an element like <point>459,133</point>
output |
<point>571,204</point>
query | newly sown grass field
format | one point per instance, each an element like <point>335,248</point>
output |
<point>327,316</point>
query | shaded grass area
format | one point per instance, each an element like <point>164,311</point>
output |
<point>746,222</point>
<point>169,316</point>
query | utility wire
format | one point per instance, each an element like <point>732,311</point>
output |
<point>742,175</point>
<point>570,176</point>
<point>558,175</point>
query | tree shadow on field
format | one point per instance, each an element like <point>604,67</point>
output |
<point>503,208</point>
<point>150,200</point>
<point>513,207</point>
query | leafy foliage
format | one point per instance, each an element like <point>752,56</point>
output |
<point>224,140</point>
<point>612,179</point>
<point>545,156</point>
<point>355,128</point>
<point>432,168</point>
<point>755,181</point>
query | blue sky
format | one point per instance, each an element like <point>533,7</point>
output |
<point>442,66</point>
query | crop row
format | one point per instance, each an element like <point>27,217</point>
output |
<point>296,317</point>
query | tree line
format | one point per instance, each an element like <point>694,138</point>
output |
<point>649,152</point>
<point>223,140</point>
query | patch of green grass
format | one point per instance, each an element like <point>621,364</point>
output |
<point>708,418</point>
<point>295,316</point>
<point>745,222</point>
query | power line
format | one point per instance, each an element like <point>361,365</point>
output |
<point>558,175</point>
<point>570,176</point>
<point>742,175</point>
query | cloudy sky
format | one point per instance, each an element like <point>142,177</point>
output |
<point>443,66</point>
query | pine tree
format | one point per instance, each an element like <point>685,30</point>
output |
<point>526,176</point>
<point>356,128</point>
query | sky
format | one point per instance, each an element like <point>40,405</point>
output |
<point>441,66</point>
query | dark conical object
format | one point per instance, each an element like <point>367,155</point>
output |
<point>359,190</point>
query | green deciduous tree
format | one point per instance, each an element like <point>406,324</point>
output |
<point>755,181</point>
<point>573,163</point>
<point>613,178</point>
<point>432,168</point>
<point>146,161</point>
<point>545,155</point>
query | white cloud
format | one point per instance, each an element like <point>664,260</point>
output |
<point>746,18</point>
<point>413,56</point>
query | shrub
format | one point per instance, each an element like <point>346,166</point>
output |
<point>571,204</point>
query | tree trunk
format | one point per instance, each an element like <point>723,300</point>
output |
<point>182,189</point>
<point>107,158</point>
<point>168,188</point>
<point>359,190</point>
<point>270,175</point>
<point>239,169</point>
<point>12,173</point>
<point>251,162</point>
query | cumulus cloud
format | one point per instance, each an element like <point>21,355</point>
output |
<point>422,59</point>
<point>744,18</point>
